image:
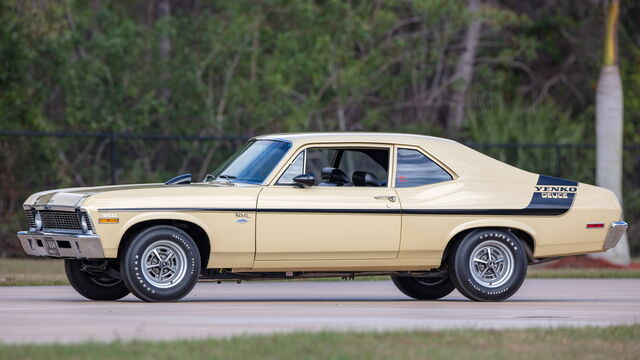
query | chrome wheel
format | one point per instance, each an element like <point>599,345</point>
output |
<point>491,264</point>
<point>164,264</point>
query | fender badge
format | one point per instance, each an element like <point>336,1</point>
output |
<point>241,221</point>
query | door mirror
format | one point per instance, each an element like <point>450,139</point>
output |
<point>305,180</point>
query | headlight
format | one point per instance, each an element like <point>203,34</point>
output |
<point>38,221</point>
<point>83,223</point>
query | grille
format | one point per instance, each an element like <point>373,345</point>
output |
<point>51,219</point>
<point>30,219</point>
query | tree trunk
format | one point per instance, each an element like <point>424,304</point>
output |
<point>609,128</point>
<point>163,9</point>
<point>464,71</point>
<point>609,147</point>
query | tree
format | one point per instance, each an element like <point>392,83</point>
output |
<point>464,70</point>
<point>609,125</point>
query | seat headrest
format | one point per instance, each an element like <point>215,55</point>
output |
<point>363,178</point>
<point>334,175</point>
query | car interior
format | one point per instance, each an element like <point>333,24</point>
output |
<point>348,166</point>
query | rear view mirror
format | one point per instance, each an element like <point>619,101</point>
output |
<point>305,180</point>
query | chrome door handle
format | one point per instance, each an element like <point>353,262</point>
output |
<point>385,197</point>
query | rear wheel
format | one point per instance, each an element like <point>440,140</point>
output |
<point>488,265</point>
<point>92,279</point>
<point>423,288</point>
<point>162,263</point>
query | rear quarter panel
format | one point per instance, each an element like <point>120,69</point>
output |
<point>426,235</point>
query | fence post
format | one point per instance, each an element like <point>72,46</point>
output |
<point>114,156</point>
<point>557,171</point>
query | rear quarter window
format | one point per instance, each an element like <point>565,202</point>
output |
<point>415,169</point>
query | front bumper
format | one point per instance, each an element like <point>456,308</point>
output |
<point>616,230</point>
<point>82,246</point>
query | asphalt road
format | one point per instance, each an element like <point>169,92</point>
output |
<point>45,314</point>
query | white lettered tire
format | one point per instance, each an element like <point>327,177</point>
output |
<point>161,263</point>
<point>488,265</point>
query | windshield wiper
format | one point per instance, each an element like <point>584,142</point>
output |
<point>221,179</point>
<point>209,178</point>
<point>227,177</point>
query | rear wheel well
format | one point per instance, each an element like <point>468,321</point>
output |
<point>520,234</point>
<point>195,232</point>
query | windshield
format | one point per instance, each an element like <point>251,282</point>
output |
<point>253,163</point>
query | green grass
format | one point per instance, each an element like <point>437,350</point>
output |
<point>620,342</point>
<point>32,271</point>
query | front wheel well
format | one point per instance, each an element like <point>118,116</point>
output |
<point>195,232</point>
<point>520,234</point>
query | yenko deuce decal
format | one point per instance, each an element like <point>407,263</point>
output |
<point>553,194</point>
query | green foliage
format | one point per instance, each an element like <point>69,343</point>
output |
<point>517,123</point>
<point>243,68</point>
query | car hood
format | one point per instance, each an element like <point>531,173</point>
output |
<point>75,197</point>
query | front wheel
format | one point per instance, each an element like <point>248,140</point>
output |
<point>488,265</point>
<point>161,263</point>
<point>91,279</point>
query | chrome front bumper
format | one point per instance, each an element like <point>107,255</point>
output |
<point>616,230</point>
<point>38,243</point>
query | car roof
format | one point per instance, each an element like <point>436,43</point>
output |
<point>459,158</point>
<point>377,137</point>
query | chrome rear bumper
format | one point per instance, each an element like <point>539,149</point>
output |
<point>616,230</point>
<point>66,245</point>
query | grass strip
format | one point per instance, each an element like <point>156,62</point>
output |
<point>619,342</point>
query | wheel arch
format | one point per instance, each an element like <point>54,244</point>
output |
<point>195,231</point>
<point>521,231</point>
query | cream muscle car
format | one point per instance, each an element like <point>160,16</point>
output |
<point>432,213</point>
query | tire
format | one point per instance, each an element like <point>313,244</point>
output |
<point>499,270</point>
<point>93,285</point>
<point>162,263</point>
<point>425,288</point>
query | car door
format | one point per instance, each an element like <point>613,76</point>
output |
<point>424,184</point>
<point>330,221</point>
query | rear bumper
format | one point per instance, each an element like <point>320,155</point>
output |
<point>616,230</point>
<point>68,245</point>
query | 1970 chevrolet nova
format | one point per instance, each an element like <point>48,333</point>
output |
<point>432,213</point>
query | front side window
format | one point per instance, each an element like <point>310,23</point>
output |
<point>415,169</point>
<point>253,163</point>
<point>296,168</point>
<point>353,166</point>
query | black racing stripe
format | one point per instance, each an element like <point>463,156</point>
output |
<point>538,206</point>
<point>516,212</point>
<point>334,211</point>
<point>550,180</point>
<point>330,211</point>
<point>177,209</point>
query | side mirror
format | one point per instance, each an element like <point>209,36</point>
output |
<point>305,180</point>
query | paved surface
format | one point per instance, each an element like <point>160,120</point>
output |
<point>57,314</point>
